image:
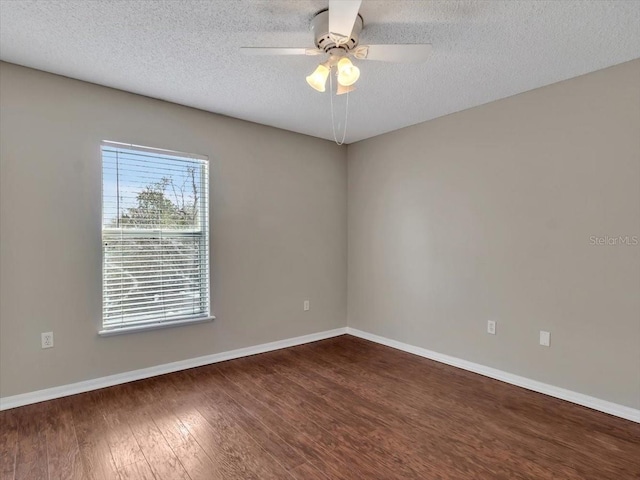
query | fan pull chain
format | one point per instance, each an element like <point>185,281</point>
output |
<point>346,112</point>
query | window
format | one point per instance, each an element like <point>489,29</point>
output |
<point>155,238</point>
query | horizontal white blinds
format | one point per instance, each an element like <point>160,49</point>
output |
<point>155,236</point>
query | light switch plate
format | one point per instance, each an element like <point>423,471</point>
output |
<point>545,338</point>
<point>491,327</point>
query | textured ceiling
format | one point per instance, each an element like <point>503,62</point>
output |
<point>187,52</point>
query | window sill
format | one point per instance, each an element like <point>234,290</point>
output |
<point>153,326</point>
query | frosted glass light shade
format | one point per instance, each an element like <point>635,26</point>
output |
<point>341,90</point>
<point>318,79</point>
<point>348,73</point>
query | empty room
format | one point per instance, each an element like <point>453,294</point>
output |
<point>319,239</point>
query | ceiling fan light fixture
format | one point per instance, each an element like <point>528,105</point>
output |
<point>348,73</point>
<point>336,33</point>
<point>318,79</point>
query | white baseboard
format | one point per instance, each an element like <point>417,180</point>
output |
<point>95,384</point>
<point>605,406</point>
<point>108,381</point>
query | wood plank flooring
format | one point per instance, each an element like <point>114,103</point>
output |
<point>342,408</point>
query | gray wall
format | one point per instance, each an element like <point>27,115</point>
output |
<point>488,214</point>
<point>484,214</point>
<point>278,226</point>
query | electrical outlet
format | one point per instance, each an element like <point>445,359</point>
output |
<point>306,306</point>
<point>545,338</point>
<point>47,339</point>
<point>491,327</point>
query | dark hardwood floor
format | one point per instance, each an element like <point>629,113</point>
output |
<point>342,408</point>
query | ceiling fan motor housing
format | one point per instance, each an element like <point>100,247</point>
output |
<point>323,40</point>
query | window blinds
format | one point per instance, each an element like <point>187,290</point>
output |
<point>155,236</point>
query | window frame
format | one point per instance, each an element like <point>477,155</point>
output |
<point>204,256</point>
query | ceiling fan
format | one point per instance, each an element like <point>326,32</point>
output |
<point>336,33</point>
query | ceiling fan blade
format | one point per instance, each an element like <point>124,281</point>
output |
<point>342,16</point>
<point>279,51</point>
<point>394,53</point>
